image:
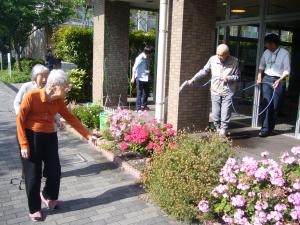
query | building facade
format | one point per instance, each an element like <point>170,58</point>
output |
<point>189,31</point>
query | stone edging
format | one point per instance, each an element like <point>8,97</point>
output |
<point>109,156</point>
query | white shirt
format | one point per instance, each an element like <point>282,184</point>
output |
<point>26,87</point>
<point>141,68</point>
<point>23,90</point>
<point>276,64</point>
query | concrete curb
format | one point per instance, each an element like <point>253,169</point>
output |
<point>109,156</point>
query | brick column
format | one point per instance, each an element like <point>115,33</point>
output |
<point>111,46</point>
<point>192,43</point>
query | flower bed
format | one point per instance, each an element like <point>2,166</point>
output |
<point>126,135</point>
<point>257,191</point>
<point>132,134</point>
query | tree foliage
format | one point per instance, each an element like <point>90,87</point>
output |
<point>20,18</point>
<point>75,44</point>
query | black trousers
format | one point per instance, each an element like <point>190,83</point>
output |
<point>142,89</point>
<point>43,147</point>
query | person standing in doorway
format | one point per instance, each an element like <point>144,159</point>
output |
<point>224,70</point>
<point>140,75</point>
<point>273,69</point>
<point>50,60</point>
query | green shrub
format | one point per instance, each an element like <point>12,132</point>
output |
<point>16,77</point>
<point>75,45</point>
<point>106,134</point>
<point>88,115</point>
<point>28,63</point>
<point>179,177</point>
<point>81,86</point>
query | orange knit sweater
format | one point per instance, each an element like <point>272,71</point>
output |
<point>37,114</point>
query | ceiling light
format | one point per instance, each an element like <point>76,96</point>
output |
<point>238,10</point>
<point>224,3</point>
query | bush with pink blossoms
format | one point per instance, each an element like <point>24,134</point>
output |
<point>257,191</point>
<point>121,122</point>
<point>149,137</point>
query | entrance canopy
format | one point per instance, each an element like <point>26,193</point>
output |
<point>142,4</point>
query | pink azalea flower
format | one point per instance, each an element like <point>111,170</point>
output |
<point>296,185</point>
<point>274,215</point>
<point>243,187</point>
<point>259,206</point>
<point>260,217</point>
<point>221,188</point>
<point>171,132</point>
<point>124,147</point>
<point>251,194</point>
<point>287,159</point>
<point>294,199</point>
<point>296,150</point>
<point>227,219</point>
<point>280,207</point>
<point>261,174</point>
<point>295,213</point>
<point>203,206</point>
<point>238,201</point>
<point>249,166</point>
<point>169,126</point>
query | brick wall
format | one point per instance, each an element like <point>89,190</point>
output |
<point>98,50</point>
<point>191,45</point>
<point>111,46</point>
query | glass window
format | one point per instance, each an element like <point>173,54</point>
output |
<point>249,32</point>
<point>243,9</point>
<point>283,6</point>
<point>221,35</point>
<point>286,36</point>
<point>234,31</point>
<point>221,9</point>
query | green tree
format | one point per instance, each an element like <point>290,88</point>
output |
<point>20,18</point>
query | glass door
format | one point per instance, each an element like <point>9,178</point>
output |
<point>243,44</point>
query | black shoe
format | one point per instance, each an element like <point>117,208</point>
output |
<point>146,108</point>
<point>263,134</point>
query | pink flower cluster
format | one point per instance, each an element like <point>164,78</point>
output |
<point>258,191</point>
<point>121,122</point>
<point>149,137</point>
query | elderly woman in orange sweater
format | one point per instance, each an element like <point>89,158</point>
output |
<point>38,140</point>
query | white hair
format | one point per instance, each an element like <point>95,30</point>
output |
<point>57,77</point>
<point>38,69</point>
<point>223,48</point>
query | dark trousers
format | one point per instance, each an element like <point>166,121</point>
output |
<point>43,147</point>
<point>270,115</point>
<point>142,89</point>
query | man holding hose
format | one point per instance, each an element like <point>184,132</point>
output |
<point>224,70</point>
<point>274,67</point>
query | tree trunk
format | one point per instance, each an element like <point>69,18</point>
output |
<point>18,53</point>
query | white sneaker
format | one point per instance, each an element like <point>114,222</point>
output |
<point>222,133</point>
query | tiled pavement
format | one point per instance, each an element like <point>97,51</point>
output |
<point>94,190</point>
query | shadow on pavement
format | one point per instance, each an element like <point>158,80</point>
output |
<point>93,169</point>
<point>107,197</point>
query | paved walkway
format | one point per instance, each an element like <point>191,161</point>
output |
<point>94,190</point>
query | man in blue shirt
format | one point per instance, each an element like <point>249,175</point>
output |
<point>140,74</point>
